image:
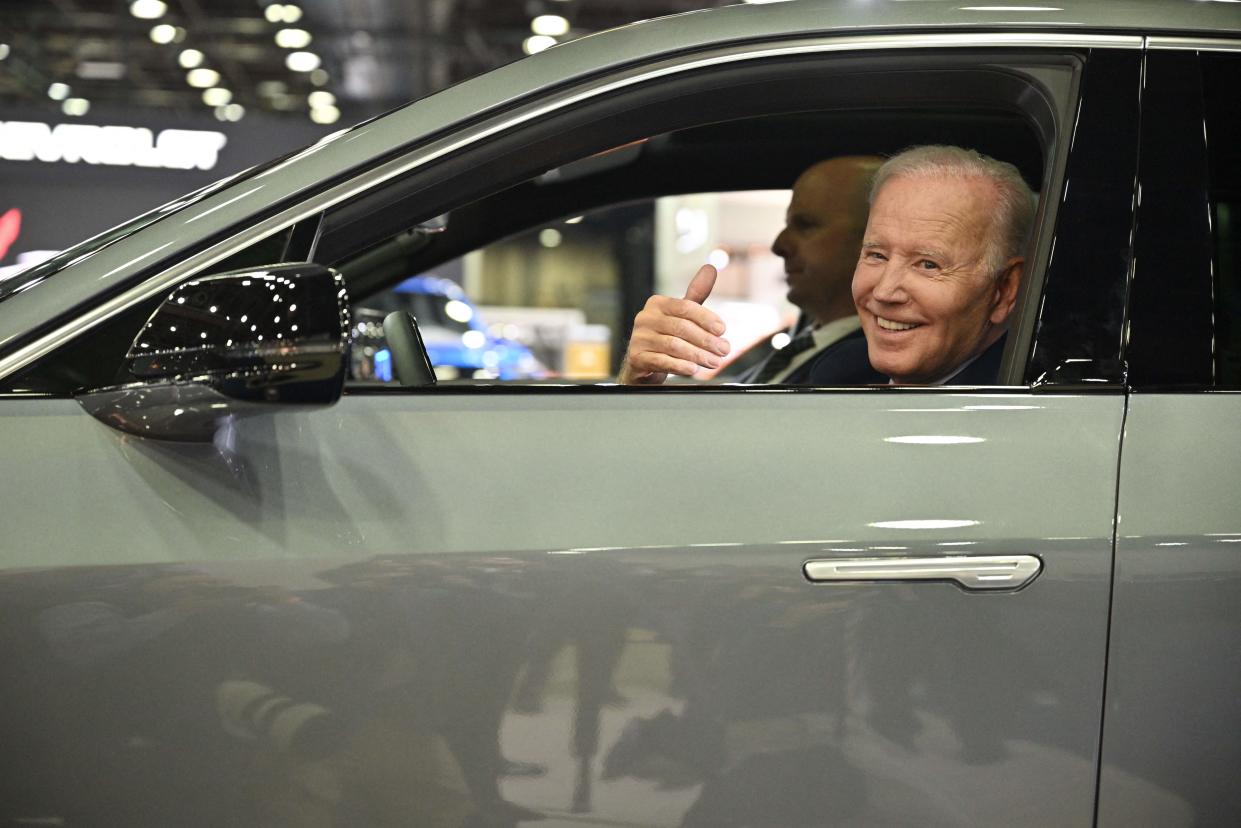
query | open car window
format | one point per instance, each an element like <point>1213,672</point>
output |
<point>555,244</point>
<point>732,128</point>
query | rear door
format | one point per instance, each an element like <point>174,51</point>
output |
<point>1174,677</point>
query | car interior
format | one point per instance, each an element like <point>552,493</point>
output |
<point>767,127</point>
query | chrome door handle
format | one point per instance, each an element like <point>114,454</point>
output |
<point>973,572</point>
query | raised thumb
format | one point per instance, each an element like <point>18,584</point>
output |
<point>702,283</point>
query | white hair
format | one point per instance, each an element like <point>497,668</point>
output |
<point>1014,215</point>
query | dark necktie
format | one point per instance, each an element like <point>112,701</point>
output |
<point>780,360</point>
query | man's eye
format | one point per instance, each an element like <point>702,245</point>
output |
<point>927,264</point>
<point>873,255</point>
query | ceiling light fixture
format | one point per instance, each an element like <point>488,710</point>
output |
<point>58,91</point>
<point>216,96</point>
<point>75,107</point>
<point>163,33</point>
<point>282,13</point>
<point>325,114</point>
<point>319,77</point>
<point>293,38</point>
<point>190,58</point>
<point>202,78</point>
<point>537,43</point>
<point>148,9</point>
<point>302,61</point>
<point>232,112</point>
<point>4,50</point>
<point>552,25</point>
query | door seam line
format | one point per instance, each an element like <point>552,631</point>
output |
<point>1111,594</point>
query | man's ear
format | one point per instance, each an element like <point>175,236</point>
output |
<point>1006,286</point>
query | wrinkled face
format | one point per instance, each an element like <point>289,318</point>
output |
<point>922,287</point>
<point>819,242</point>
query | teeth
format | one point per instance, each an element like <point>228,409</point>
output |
<point>889,325</point>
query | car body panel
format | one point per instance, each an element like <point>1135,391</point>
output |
<point>898,702</point>
<point>501,429</point>
<point>1174,672</point>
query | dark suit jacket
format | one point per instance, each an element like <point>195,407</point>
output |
<point>846,363</point>
<point>839,354</point>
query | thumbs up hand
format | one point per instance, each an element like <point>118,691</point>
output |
<point>675,336</point>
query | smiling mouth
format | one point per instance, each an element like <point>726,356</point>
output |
<point>892,325</point>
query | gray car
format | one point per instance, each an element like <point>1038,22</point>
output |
<point>236,594</point>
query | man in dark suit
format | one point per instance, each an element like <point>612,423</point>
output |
<point>934,287</point>
<point>819,245</point>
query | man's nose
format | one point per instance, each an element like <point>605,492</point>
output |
<point>780,245</point>
<point>891,284</point>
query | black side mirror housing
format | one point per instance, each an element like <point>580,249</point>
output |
<point>232,345</point>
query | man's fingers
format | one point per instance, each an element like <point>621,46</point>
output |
<point>654,362</point>
<point>701,318</point>
<point>700,286</point>
<point>644,354</point>
<point>692,334</point>
<point>677,316</point>
<point>678,348</point>
<point>661,330</point>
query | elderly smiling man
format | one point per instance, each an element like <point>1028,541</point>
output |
<point>935,285</point>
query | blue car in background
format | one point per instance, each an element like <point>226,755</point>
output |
<point>457,340</point>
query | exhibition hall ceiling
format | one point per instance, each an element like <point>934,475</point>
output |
<point>322,60</point>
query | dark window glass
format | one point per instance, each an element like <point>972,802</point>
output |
<point>1171,314</point>
<point>1221,82</point>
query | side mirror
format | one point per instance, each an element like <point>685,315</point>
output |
<point>229,346</point>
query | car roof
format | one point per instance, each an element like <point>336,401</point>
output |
<point>559,67</point>
<point>686,33</point>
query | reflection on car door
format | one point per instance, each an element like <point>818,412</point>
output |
<point>362,588</point>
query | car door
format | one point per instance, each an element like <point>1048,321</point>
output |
<point>486,604</point>
<point>1169,756</point>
